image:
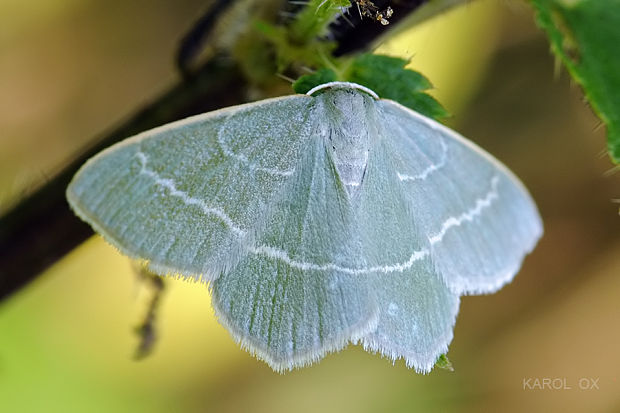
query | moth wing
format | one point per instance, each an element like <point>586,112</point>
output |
<point>184,196</point>
<point>417,310</point>
<point>477,217</point>
<point>297,296</point>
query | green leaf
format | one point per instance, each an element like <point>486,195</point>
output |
<point>585,34</point>
<point>377,70</point>
<point>444,363</point>
<point>307,82</point>
<point>388,77</point>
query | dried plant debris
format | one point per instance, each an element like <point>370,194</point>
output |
<point>367,8</point>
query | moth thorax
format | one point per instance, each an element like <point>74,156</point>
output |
<point>349,138</point>
<point>350,155</point>
<point>346,114</point>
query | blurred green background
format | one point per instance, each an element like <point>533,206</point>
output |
<point>72,69</point>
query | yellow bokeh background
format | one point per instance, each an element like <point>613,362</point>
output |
<point>70,70</point>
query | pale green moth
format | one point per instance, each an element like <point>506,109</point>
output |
<point>317,220</point>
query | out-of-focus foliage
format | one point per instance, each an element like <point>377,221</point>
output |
<point>585,34</point>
